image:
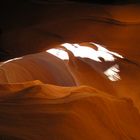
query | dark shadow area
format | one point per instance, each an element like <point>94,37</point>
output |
<point>4,55</point>
<point>112,2</point>
<point>6,137</point>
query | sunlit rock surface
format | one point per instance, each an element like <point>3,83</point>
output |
<point>41,66</point>
<point>70,71</point>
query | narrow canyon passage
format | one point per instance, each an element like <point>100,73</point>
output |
<point>69,71</point>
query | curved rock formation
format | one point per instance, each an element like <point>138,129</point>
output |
<point>38,111</point>
<point>85,97</point>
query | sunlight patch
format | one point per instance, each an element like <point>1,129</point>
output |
<point>10,60</point>
<point>113,73</point>
<point>88,52</point>
<point>101,48</point>
<point>59,53</point>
